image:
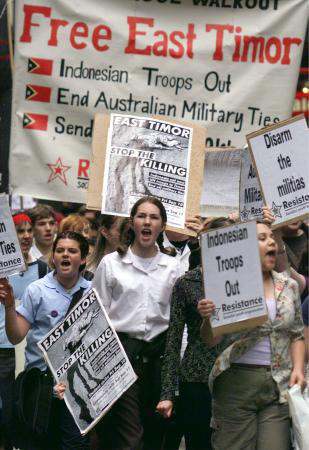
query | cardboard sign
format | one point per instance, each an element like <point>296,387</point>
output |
<point>137,156</point>
<point>220,195</point>
<point>250,195</point>
<point>84,352</point>
<point>207,62</point>
<point>11,257</point>
<point>280,157</point>
<point>146,157</point>
<point>233,278</point>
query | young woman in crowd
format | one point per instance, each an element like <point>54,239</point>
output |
<point>77,223</point>
<point>35,269</point>
<point>135,284</point>
<point>44,304</point>
<point>108,239</point>
<point>250,378</point>
<point>190,374</point>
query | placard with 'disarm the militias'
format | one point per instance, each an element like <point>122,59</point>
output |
<point>281,158</point>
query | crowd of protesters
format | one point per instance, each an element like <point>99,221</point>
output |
<point>227,393</point>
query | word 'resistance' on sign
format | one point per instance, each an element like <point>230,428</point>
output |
<point>281,161</point>
<point>232,278</point>
<point>11,258</point>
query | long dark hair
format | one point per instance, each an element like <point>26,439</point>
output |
<point>106,221</point>
<point>82,241</point>
<point>195,258</point>
<point>123,248</point>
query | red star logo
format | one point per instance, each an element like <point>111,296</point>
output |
<point>58,171</point>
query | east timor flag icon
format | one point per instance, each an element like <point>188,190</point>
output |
<point>40,66</point>
<point>38,93</point>
<point>35,121</point>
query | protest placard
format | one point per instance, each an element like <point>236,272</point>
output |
<point>11,257</point>
<point>85,353</point>
<point>209,62</point>
<point>135,156</point>
<point>232,278</point>
<point>250,195</point>
<point>220,194</point>
<point>280,158</point>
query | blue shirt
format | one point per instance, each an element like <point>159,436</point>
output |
<point>44,305</point>
<point>19,282</point>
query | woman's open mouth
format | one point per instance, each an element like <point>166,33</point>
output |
<point>65,263</point>
<point>146,232</point>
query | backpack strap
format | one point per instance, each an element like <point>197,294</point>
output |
<point>75,299</point>
<point>42,268</point>
<point>41,417</point>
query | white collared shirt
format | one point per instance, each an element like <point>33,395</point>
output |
<point>35,252</point>
<point>182,256</point>
<point>137,299</point>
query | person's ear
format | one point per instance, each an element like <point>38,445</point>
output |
<point>83,262</point>
<point>104,232</point>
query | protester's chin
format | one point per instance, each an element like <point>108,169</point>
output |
<point>65,272</point>
<point>147,244</point>
<point>48,240</point>
<point>268,266</point>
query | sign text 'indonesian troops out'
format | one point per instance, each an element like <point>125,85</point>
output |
<point>233,277</point>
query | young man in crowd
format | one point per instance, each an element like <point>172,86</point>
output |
<point>35,269</point>
<point>44,230</point>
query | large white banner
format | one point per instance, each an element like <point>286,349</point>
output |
<point>231,65</point>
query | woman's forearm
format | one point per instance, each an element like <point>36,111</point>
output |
<point>300,279</point>
<point>282,263</point>
<point>207,335</point>
<point>16,326</point>
<point>298,355</point>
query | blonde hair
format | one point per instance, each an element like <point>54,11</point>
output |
<point>73,222</point>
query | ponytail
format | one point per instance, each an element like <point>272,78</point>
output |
<point>125,244</point>
<point>167,251</point>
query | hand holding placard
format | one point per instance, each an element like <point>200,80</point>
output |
<point>282,167</point>
<point>233,278</point>
<point>11,258</point>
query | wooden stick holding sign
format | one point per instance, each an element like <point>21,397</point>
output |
<point>280,157</point>
<point>11,257</point>
<point>232,278</point>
